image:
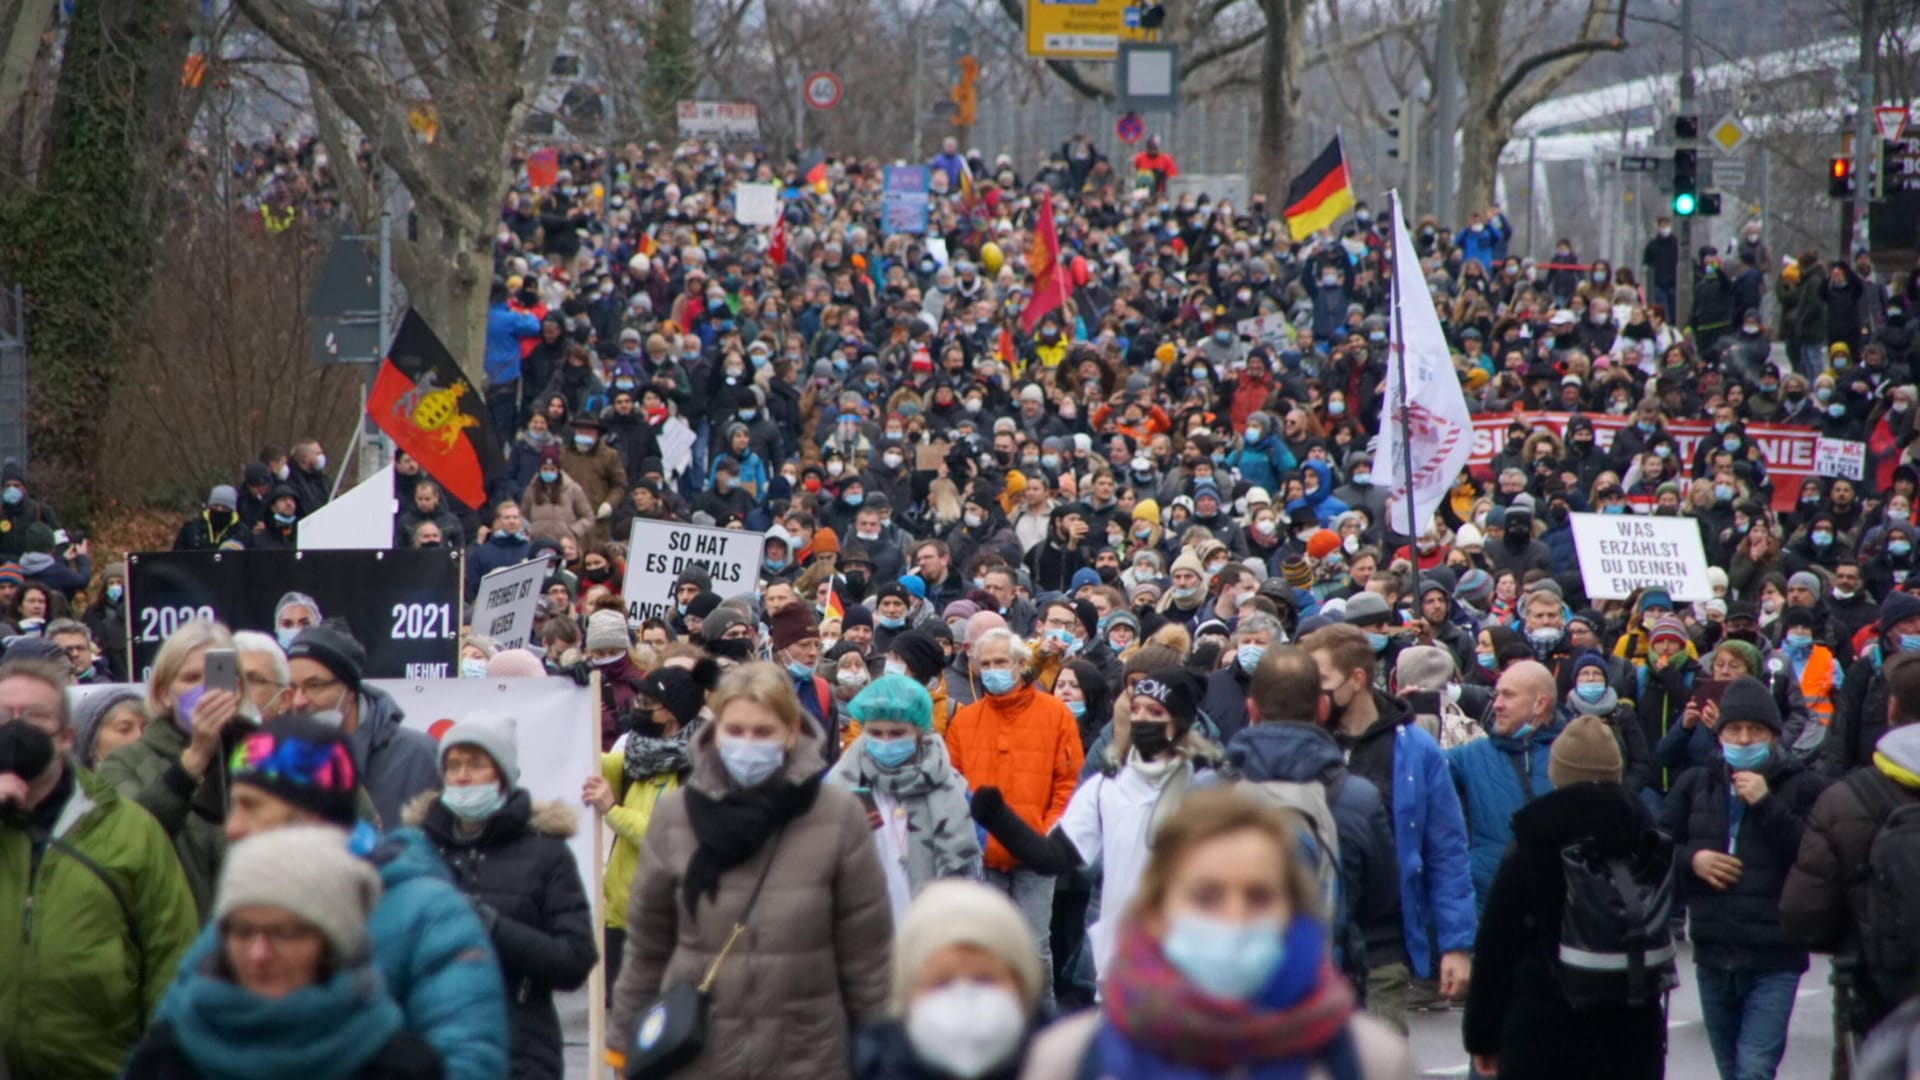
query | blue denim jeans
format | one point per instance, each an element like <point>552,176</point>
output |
<point>1746,1014</point>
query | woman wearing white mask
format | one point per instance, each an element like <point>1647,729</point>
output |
<point>1222,965</point>
<point>755,852</point>
<point>965,983</point>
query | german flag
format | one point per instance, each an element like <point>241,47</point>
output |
<point>428,408</point>
<point>1317,197</point>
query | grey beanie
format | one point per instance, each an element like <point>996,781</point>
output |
<point>1368,609</point>
<point>493,733</point>
<point>1805,579</point>
<point>607,630</point>
<point>305,870</point>
<point>1423,667</point>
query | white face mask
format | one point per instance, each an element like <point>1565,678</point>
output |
<point>966,1028</point>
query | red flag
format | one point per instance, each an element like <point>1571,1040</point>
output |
<point>1043,263</point>
<point>777,249</point>
<point>543,168</point>
<point>428,408</point>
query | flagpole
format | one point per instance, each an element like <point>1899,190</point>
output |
<point>1399,340</point>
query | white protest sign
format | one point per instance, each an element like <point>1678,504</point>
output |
<point>1840,457</point>
<point>658,552</point>
<point>756,204</point>
<point>358,519</point>
<point>503,609</point>
<point>556,731</point>
<point>1619,553</point>
<point>937,247</point>
<point>1268,330</point>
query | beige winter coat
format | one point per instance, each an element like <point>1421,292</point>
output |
<point>1056,1053</point>
<point>812,965</point>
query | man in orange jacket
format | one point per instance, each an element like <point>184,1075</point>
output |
<point>1025,743</point>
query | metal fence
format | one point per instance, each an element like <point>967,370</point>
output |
<point>13,375</point>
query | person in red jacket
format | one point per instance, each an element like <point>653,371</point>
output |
<point>1025,743</point>
<point>1160,165</point>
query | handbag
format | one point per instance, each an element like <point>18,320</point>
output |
<point>673,1028</point>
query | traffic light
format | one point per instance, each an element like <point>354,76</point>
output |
<point>1393,132</point>
<point>1686,127</point>
<point>1686,182</point>
<point>1709,204</point>
<point>963,93</point>
<point>1840,178</point>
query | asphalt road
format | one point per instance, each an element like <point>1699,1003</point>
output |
<point>1436,1036</point>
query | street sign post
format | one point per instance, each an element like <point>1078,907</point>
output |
<point>1130,128</point>
<point>1080,29</point>
<point>1640,164</point>
<point>1890,121</point>
<point>823,90</point>
<point>1730,134</point>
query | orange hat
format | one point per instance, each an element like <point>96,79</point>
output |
<point>1322,544</point>
<point>825,542</point>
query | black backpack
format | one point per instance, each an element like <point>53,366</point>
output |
<point>1890,940</point>
<point>1615,949</point>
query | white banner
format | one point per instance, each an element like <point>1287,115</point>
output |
<point>503,609</point>
<point>1840,457</point>
<point>1619,553</point>
<point>658,552</point>
<point>358,519</point>
<point>1437,432</point>
<point>719,120</point>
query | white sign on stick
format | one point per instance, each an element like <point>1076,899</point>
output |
<point>756,204</point>
<point>1619,553</point>
<point>358,519</point>
<point>503,609</point>
<point>1840,457</point>
<point>658,552</point>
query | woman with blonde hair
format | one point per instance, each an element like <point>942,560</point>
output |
<point>761,880</point>
<point>177,769</point>
<point>1222,964</point>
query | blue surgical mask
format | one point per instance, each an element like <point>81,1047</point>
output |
<point>1077,708</point>
<point>1614,508</point>
<point>1731,442</point>
<point>1377,641</point>
<point>473,802</point>
<point>1746,758</point>
<point>1723,492</point>
<point>1226,960</point>
<point>1899,547</point>
<point>1798,644</point>
<point>890,753</point>
<point>1486,660</point>
<point>550,476</point>
<point>1363,479</point>
<point>284,519</point>
<point>1591,693</point>
<point>13,496</point>
<point>751,762</point>
<point>1248,656</point>
<point>854,498</point>
<point>115,592</point>
<point>471,668</point>
<point>776,565</point>
<point>997,682</point>
<point>1820,537</point>
<point>584,442</point>
<point>285,635</point>
<point>1525,731</point>
<point>799,670</point>
<point>890,622</point>
<point>1909,642</point>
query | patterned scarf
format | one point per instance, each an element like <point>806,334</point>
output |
<point>649,756</point>
<point>1302,1010</point>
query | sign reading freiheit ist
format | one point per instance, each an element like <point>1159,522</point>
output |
<point>658,552</point>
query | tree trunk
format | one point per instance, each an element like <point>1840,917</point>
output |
<point>1481,143</point>
<point>1279,98</point>
<point>450,273</point>
<point>82,245</point>
<point>23,26</point>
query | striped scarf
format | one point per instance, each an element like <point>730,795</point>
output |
<point>1156,1009</point>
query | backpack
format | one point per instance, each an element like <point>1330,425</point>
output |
<point>1309,806</point>
<point>1615,949</point>
<point>1890,940</point>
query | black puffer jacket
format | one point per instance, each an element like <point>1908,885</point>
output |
<point>526,889</point>
<point>1739,929</point>
<point>1515,1006</point>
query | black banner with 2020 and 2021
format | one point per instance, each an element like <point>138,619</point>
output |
<point>403,606</point>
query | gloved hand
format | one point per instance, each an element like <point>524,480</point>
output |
<point>988,804</point>
<point>605,511</point>
<point>582,672</point>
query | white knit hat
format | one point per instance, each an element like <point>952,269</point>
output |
<point>305,870</point>
<point>954,911</point>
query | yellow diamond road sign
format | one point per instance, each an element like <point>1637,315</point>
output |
<point>1729,134</point>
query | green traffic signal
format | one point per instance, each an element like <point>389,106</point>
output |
<point>1685,203</point>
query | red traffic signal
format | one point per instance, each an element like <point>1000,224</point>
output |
<point>1839,177</point>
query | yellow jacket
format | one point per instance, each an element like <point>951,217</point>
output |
<point>628,820</point>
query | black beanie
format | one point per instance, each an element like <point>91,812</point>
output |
<point>1747,698</point>
<point>1897,607</point>
<point>923,656</point>
<point>334,650</point>
<point>683,692</point>
<point>1177,689</point>
<point>702,605</point>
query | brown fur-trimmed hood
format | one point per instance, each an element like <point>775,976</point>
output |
<point>548,817</point>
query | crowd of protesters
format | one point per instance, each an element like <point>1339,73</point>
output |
<point>1084,672</point>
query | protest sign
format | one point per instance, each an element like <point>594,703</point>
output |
<point>358,519</point>
<point>402,606</point>
<point>727,120</point>
<point>658,552</point>
<point>503,609</point>
<point>1619,553</point>
<point>1840,457</point>
<point>904,199</point>
<point>1269,330</point>
<point>1789,451</point>
<point>756,204</point>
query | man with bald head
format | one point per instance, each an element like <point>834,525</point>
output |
<point>1497,776</point>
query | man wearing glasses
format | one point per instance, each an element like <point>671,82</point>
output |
<point>396,763</point>
<point>75,642</point>
<point>94,910</point>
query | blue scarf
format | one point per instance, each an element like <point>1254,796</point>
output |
<point>326,1031</point>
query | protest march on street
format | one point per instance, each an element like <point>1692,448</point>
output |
<point>964,617</point>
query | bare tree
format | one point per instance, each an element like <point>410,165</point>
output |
<point>1503,86</point>
<point>469,68</point>
<point>24,26</point>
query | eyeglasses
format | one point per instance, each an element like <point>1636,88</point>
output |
<point>277,936</point>
<point>312,687</point>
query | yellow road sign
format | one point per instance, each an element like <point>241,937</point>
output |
<point>1081,29</point>
<point>1729,134</point>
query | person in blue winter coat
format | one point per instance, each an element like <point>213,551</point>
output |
<point>1316,483</point>
<point>506,545</point>
<point>1485,238</point>
<point>1263,457</point>
<point>427,942</point>
<point>506,328</point>
<point>1500,774</point>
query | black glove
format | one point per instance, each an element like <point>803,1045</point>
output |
<point>988,804</point>
<point>1052,854</point>
<point>581,671</point>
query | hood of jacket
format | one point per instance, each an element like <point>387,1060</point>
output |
<point>521,813</point>
<point>380,717</point>
<point>1284,750</point>
<point>36,562</point>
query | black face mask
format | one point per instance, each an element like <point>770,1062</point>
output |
<point>220,518</point>
<point>1152,740</point>
<point>25,750</point>
<point>1108,574</point>
<point>739,650</point>
<point>597,573</point>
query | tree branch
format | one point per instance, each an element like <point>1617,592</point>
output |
<point>1221,51</point>
<point>1539,60</point>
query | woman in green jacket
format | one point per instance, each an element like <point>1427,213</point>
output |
<point>178,768</point>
